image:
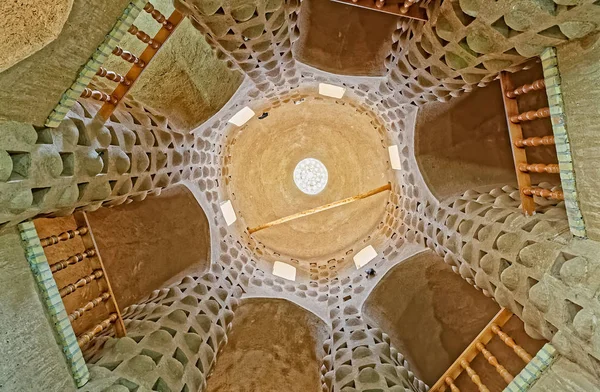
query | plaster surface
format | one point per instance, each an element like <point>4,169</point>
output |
<point>565,376</point>
<point>30,357</point>
<point>344,39</point>
<point>578,63</point>
<point>274,346</point>
<point>185,80</point>
<point>264,153</point>
<point>464,143</point>
<point>44,76</point>
<point>150,245</point>
<point>29,27</point>
<point>430,313</point>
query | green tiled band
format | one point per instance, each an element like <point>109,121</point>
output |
<point>534,369</point>
<point>561,140</point>
<point>53,302</point>
<point>101,54</point>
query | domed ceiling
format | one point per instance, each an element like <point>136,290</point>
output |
<point>264,153</point>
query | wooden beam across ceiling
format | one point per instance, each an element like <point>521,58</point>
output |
<point>404,8</point>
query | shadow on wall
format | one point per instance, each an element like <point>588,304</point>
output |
<point>344,39</point>
<point>274,345</point>
<point>431,315</point>
<point>464,143</point>
<point>148,245</point>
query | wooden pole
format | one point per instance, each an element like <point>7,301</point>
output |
<point>325,207</point>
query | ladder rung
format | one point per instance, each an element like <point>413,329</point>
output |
<point>531,115</point>
<point>527,88</point>
<point>541,192</point>
<point>68,289</point>
<point>535,141</point>
<point>86,337</point>
<point>539,168</point>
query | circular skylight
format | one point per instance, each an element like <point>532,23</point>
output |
<point>310,176</point>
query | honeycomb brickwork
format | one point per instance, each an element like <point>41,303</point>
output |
<point>360,357</point>
<point>466,43</point>
<point>82,164</point>
<point>252,36</point>
<point>530,265</point>
<point>173,338</point>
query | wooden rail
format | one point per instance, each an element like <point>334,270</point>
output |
<point>110,75</point>
<point>89,306</point>
<point>325,207</point>
<point>519,143</point>
<point>539,168</point>
<point>493,328</point>
<point>406,6</point>
<point>98,96</point>
<point>541,192</point>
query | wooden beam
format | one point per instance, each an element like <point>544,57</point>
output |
<point>516,134</point>
<point>410,12</point>
<point>325,207</point>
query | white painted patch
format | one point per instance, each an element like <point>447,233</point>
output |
<point>363,257</point>
<point>394,157</point>
<point>284,271</point>
<point>228,212</point>
<point>330,90</point>
<point>242,117</point>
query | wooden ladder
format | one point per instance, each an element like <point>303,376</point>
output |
<point>125,83</point>
<point>518,143</point>
<point>98,277</point>
<point>479,346</point>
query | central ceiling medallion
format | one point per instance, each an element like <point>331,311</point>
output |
<point>310,176</point>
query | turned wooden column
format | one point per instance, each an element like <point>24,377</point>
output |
<point>527,88</point>
<point>98,96</point>
<point>128,56</point>
<point>110,75</point>
<point>535,141</point>
<point>142,36</point>
<point>64,236</point>
<point>157,16</point>
<point>520,351</point>
<point>531,115</point>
